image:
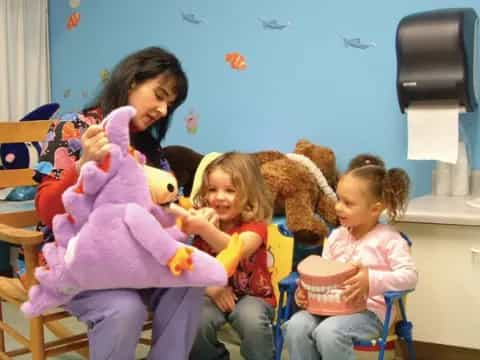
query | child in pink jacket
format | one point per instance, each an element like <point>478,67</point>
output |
<point>379,251</point>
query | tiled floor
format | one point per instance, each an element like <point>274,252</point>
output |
<point>12,316</point>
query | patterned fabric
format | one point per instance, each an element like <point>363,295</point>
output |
<point>252,276</point>
<point>62,145</point>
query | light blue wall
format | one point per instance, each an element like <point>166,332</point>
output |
<point>300,82</point>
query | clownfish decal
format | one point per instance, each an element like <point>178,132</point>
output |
<point>73,20</point>
<point>236,60</point>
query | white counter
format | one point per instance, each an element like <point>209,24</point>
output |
<point>449,210</point>
<point>445,306</point>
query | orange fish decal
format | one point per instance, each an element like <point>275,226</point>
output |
<point>73,20</point>
<point>236,61</point>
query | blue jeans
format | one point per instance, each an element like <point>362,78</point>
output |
<point>251,319</point>
<point>115,319</point>
<point>312,337</point>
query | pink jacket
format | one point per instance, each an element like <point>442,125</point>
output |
<point>384,252</point>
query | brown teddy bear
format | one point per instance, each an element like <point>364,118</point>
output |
<point>302,186</point>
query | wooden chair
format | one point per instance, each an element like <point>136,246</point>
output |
<point>14,230</point>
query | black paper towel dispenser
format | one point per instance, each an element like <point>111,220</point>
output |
<point>437,57</point>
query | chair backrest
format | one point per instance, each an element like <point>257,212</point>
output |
<point>20,132</point>
<point>280,252</point>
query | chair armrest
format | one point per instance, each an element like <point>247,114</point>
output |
<point>394,295</point>
<point>19,236</point>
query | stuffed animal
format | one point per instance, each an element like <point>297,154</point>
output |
<point>113,235</point>
<point>302,185</point>
<point>184,162</point>
<point>25,155</point>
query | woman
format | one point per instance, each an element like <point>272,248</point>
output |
<point>151,80</point>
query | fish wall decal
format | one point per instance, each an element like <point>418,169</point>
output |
<point>273,24</point>
<point>193,18</point>
<point>357,43</point>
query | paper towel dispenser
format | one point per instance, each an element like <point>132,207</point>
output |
<point>437,57</point>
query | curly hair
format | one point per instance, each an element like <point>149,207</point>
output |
<point>390,186</point>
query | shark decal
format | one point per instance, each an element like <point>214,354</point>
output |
<point>357,43</point>
<point>273,24</point>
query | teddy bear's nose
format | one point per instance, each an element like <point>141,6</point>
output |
<point>170,188</point>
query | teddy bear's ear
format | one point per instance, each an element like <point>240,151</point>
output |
<point>303,146</point>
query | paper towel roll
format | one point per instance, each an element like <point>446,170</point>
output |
<point>433,131</point>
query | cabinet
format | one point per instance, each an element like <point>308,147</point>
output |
<point>445,308</point>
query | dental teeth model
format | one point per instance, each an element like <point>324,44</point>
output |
<point>322,279</point>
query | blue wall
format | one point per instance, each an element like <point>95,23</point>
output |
<point>300,81</point>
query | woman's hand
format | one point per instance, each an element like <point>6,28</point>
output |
<point>301,296</point>
<point>95,145</point>
<point>223,297</point>
<point>357,286</point>
<point>197,219</point>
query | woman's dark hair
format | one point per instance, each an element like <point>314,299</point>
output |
<point>136,68</point>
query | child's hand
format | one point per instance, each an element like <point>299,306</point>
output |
<point>301,297</point>
<point>210,215</point>
<point>197,220</point>
<point>357,286</point>
<point>223,297</point>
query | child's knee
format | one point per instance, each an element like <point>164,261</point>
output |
<point>256,328</point>
<point>299,325</point>
<point>210,317</point>
<point>326,332</point>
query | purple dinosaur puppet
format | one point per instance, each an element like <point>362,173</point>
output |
<point>114,236</point>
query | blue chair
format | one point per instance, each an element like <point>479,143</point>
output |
<point>386,342</point>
